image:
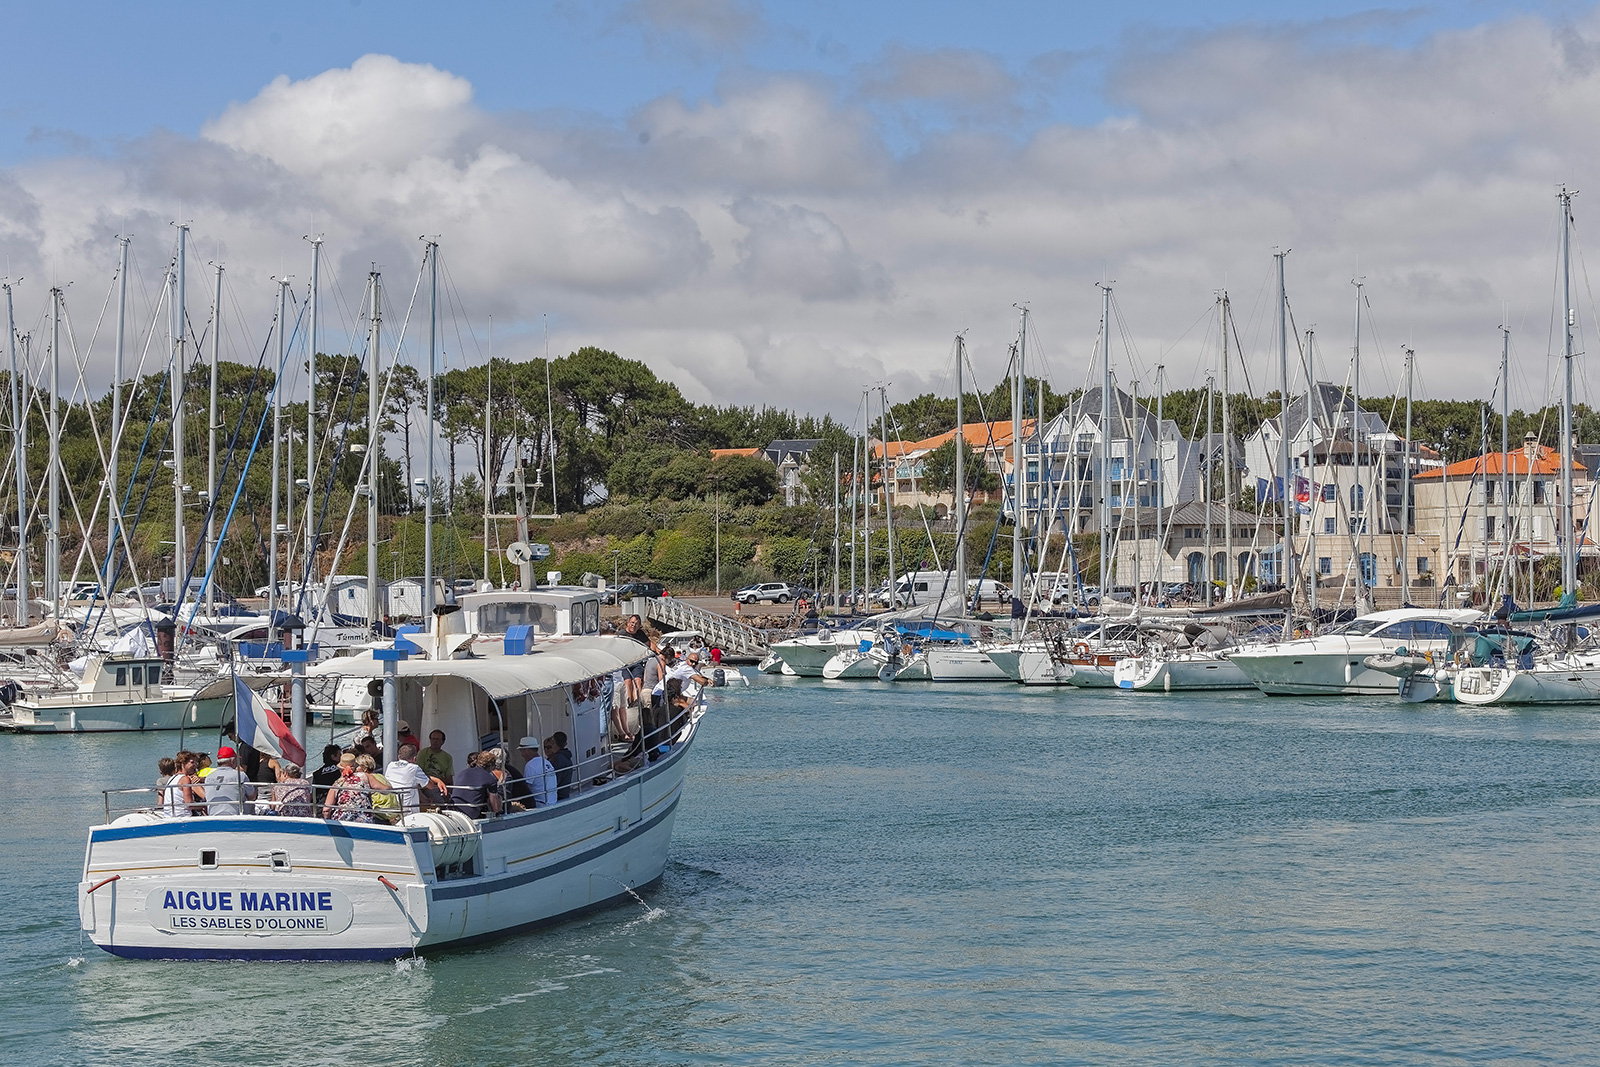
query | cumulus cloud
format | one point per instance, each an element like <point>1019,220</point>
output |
<point>777,240</point>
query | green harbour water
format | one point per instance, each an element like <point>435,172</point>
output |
<point>914,874</point>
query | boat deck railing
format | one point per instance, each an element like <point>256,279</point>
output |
<point>587,774</point>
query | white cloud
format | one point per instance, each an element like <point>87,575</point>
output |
<point>766,243</point>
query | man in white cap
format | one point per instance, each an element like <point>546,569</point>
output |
<point>538,785</point>
<point>225,785</point>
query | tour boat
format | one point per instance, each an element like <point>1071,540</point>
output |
<point>268,887</point>
<point>116,693</point>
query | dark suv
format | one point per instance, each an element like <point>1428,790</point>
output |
<point>629,590</point>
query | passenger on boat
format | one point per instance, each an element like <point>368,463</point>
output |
<point>537,786</point>
<point>477,790</point>
<point>205,765</point>
<point>560,757</point>
<point>183,795</point>
<point>406,737</point>
<point>166,767</point>
<point>634,629</point>
<point>349,800</point>
<point>368,746</point>
<point>226,787</point>
<point>385,800</point>
<point>435,760</point>
<point>291,797</point>
<point>324,777</point>
<point>409,780</point>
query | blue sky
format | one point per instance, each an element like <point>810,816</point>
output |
<point>78,75</point>
<point>775,202</point>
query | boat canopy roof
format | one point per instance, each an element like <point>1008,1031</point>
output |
<point>501,677</point>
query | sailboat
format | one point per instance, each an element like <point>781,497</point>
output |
<point>1569,672</point>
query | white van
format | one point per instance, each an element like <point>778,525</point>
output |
<point>926,587</point>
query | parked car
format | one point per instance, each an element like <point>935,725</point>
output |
<point>776,592</point>
<point>629,590</point>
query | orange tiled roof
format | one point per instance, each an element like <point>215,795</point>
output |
<point>979,436</point>
<point>724,453</point>
<point>1548,461</point>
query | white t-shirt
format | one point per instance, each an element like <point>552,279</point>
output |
<point>224,790</point>
<point>173,804</point>
<point>541,778</point>
<point>681,670</point>
<point>406,778</point>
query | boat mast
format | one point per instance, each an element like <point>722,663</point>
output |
<point>1483,469</point>
<point>211,446</point>
<point>960,496</point>
<point>1135,449</point>
<point>489,479</point>
<point>1105,436</point>
<point>1228,563</point>
<point>373,434</point>
<point>866,500</point>
<point>888,476</point>
<point>179,312</point>
<point>836,504</point>
<point>277,440</point>
<point>1207,569</point>
<point>52,532</point>
<point>1286,568</point>
<point>1019,469</point>
<point>427,499</point>
<point>855,497</point>
<point>114,510</point>
<point>1569,547</point>
<point>1359,516</point>
<point>311,420</point>
<point>20,437</point>
<point>1405,490</point>
<point>1312,435</point>
<point>1505,479</point>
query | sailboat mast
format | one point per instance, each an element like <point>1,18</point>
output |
<point>211,445</point>
<point>1505,448</point>
<point>1227,459</point>
<point>1286,568</point>
<point>179,312</point>
<point>1358,519</point>
<point>1313,403</point>
<point>1019,468</point>
<point>311,417</point>
<point>1135,449</point>
<point>427,497</point>
<point>855,495</point>
<point>1105,437</point>
<point>373,450</point>
<point>52,532</point>
<point>1405,489</point>
<point>888,484</point>
<point>277,442</point>
<point>20,437</point>
<point>836,504</point>
<point>866,500</point>
<point>489,477</point>
<point>113,501</point>
<point>1483,470</point>
<point>1207,571</point>
<point>1569,547</point>
<point>959,499</point>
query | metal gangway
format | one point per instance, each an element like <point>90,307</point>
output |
<point>736,640</point>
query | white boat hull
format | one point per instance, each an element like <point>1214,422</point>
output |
<point>1179,673</point>
<point>963,665</point>
<point>807,656</point>
<point>1543,684</point>
<point>63,715</point>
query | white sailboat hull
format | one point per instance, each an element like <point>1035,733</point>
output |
<point>963,665</point>
<point>1179,673</point>
<point>1578,683</point>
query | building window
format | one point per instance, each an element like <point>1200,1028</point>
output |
<point>1358,526</point>
<point>1538,490</point>
<point>1369,569</point>
<point>1488,492</point>
<point>1358,498</point>
<point>1329,524</point>
<point>1324,564</point>
<point>1330,493</point>
<point>1422,564</point>
<point>1488,528</point>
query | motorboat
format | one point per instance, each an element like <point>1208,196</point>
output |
<point>807,654</point>
<point>255,886</point>
<point>116,693</point>
<point>1335,662</point>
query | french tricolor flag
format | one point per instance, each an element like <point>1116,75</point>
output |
<point>262,728</point>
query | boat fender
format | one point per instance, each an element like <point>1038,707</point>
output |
<point>1081,649</point>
